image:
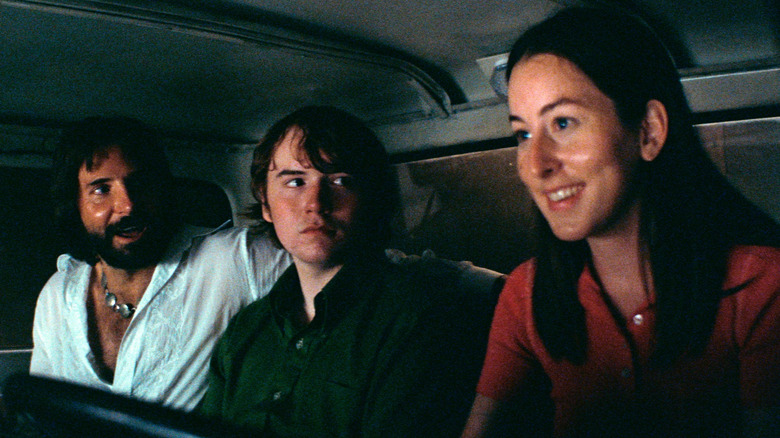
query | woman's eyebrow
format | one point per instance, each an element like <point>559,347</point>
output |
<point>549,107</point>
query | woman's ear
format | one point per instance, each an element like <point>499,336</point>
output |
<point>655,128</point>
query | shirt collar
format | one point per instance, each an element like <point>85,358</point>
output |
<point>341,293</point>
<point>286,297</point>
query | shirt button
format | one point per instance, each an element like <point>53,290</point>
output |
<point>299,344</point>
<point>625,373</point>
<point>277,395</point>
<point>638,319</point>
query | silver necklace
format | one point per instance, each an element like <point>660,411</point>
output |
<point>125,310</point>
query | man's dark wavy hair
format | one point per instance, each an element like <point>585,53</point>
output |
<point>351,147</point>
<point>78,146</point>
<point>690,218</point>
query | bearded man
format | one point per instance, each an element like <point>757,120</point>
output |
<point>139,300</point>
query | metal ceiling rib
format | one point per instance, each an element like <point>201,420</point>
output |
<point>194,22</point>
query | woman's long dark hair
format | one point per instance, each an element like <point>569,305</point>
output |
<point>691,217</point>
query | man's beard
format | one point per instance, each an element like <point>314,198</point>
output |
<point>144,252</point>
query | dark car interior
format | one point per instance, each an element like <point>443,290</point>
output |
<point>211,76</point>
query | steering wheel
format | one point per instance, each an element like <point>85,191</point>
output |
<point>61,409</point>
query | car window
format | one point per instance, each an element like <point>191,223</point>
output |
<point>28,249</point>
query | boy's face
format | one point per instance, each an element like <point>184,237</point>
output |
<point>314,214</point>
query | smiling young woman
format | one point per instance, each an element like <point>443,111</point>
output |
<point>574,154</point>
<point>653,304</point>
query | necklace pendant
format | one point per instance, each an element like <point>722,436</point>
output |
<point>110,300</point>
<point>125,310</point>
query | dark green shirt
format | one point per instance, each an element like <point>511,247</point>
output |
<point>390,352</point>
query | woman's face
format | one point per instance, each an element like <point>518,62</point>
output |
<point>574,155</point>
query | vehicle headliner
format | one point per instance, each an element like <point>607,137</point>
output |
<point>224,70</point>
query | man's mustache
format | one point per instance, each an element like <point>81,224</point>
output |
<point>127,224</point>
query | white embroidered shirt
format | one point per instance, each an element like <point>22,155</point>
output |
<point>203,280</point>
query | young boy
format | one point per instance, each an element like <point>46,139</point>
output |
<point>346,343</point>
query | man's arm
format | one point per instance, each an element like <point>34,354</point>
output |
<point>469,276</point>
<point>45,332</point>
